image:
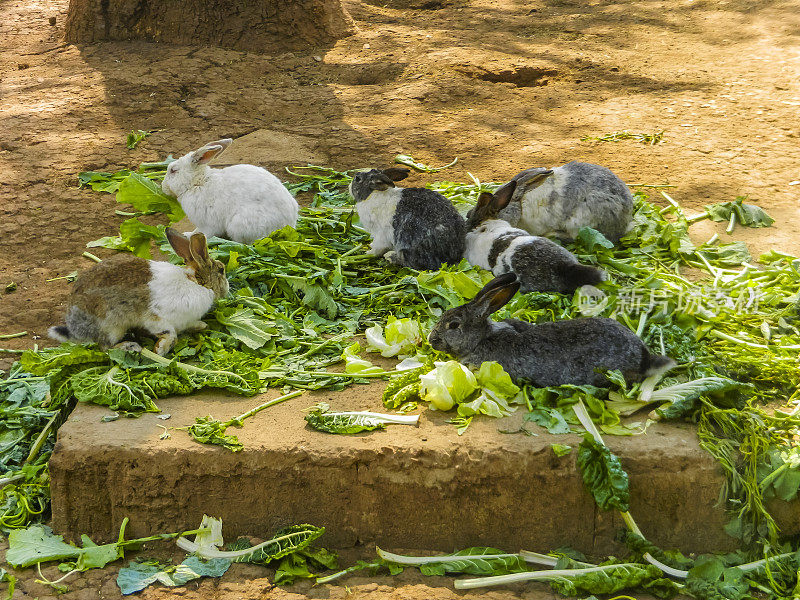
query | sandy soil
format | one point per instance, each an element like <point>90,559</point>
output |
<point>503,85</point>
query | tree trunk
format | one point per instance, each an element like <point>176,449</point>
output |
<point>254,25</point>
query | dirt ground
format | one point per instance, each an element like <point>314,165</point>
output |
<point>502,84</point>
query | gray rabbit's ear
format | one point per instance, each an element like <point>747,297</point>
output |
<point>483,210</point>
<point>496,294</point>
<point>503,195</point>
<point>380,181</point>
<point>496,283</point>
<point>484,202</point>
<point>533,177</point>
<point>396,173</point>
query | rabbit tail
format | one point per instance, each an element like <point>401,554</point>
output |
<point>658,365</point>
<point>59,333</point>
<point>655,365</point>
<point>577,275</point>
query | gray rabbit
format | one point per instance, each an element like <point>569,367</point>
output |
<point>413,227</point>
<point>560,201</point>
<point>558,353</point>
<point>540,264</point>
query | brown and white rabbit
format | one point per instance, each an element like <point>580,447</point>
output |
<point>125,292</point>
<point>540,264</point>
<point>552,353</point>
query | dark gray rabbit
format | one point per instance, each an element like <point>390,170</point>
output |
<point>563,352</point>
<point>559,202</point>
<point>413,227</point>
<point>540,264</point>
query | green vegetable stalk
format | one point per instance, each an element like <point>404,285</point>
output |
<point>208,430</point>
<point>322,418</point>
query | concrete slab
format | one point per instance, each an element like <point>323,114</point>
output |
<point>407,487</point>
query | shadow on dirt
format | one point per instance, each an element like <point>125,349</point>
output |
<point>199,94</point>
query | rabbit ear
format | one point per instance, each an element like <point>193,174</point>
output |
<point>484,200</point>
<point>496,293</point>
<point>503,195</point>
<point>533,177</point>
<point>483,210</point>
<point>199,248</point>
<point>380,181</point>
<point>179,243</point>
<point>396,173</point>
<point>224,142</point>
<point>204,155</point>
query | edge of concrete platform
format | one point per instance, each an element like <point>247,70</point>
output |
<point>420,487</point>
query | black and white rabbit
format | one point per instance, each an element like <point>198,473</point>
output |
<point>558,353</point>
<point>540,264</point>
<point>413,227</point>
<point>559,202</point>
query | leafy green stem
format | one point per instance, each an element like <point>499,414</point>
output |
<point>467,584</point>
<point>267,404</point>
<point>43,435</point>
<point>415,561</point>
<point>9,336</point>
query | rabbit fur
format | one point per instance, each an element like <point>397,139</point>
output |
<point>559,202</point>
<point>547,354</point>
<point>413,227</point>
<point>242,203</point>
<point>540,264</point>
<point>125,292</point>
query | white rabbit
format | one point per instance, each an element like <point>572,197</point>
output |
<point>242,203</point>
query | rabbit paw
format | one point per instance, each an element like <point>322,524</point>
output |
<point>128,346</point>
<point>196,327</point>
<point>165,342</point>
<point>393,257</point>
<point>378,250</point>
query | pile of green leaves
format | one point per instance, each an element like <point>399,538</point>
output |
<point>208,430</point>
<point>139,575</point>
<point>289,551</point>
<point>300,295</point>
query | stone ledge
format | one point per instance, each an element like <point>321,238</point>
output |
<point>409,487</point>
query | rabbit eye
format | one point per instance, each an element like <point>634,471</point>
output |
<point>453,325</point>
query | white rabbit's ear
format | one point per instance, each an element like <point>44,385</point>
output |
<point>204,155</point>
<point>503,195</point>
<point>199,248</point>
<point>224,142</point>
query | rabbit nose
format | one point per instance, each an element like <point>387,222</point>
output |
<point>433,336</point>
